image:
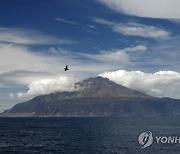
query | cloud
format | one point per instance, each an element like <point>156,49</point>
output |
<point>91,29</point>
<point>146,8</point>
<point>117,55</point>
<point>136,29</point>
<point>91,26</point>
<point>67,21</point>
<point>82,63</point>
<point>13,58</point>
<point>37,69</point>
<point>102,60</point>
<point>177,21</point>
<point>49,85</point>
<point>161,83</point>
<point>19,63</point>
<point>42,72</point>
<point>22,77</point>
<point>103,21</point>
<point>138,48</point>
<point>29,37</point>
<point>21,66</point>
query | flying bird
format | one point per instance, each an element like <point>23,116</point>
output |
<point>66,68</point>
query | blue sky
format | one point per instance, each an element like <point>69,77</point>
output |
<point>134,43</point>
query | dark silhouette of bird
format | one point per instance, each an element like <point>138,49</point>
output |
<point>66,68</point>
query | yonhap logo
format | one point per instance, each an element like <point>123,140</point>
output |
<point>145,139</point>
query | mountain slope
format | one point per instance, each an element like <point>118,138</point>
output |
<point>103,87</point>
<point>97,97</point>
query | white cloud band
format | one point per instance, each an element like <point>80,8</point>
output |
<point>29,37</point>
<point>146,8</point>
<point>46,86</point>
<point>162,83</point>
<point>135,29</point>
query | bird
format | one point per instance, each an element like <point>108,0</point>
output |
<point>66,68</point>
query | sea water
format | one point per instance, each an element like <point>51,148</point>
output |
<point>86,135</point>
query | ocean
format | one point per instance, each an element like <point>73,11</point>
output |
<point>87,135</point>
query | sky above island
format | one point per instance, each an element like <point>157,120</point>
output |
<point>134,43</point>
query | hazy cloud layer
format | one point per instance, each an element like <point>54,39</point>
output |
<point>22,77</point>
<point>116,55</point>
<point>29,37</point>
<point>42,72</point>
<point>162,83</point>
<point>135,29</point>
<point>13,58</point>
<point>146,8</point>
<point>22,66</point>
<point>177,21</point>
